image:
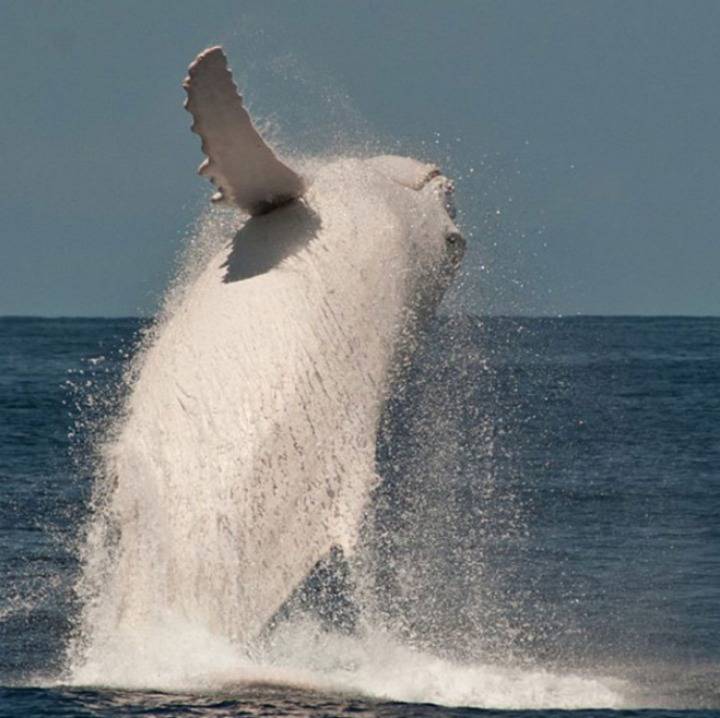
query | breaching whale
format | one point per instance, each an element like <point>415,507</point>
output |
<point>246,452</point>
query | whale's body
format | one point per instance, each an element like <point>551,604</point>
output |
<point>247,451</point>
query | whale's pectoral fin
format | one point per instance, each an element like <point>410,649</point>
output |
<point>239,163</point>
<point>327,593</point>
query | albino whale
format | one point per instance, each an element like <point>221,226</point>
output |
<point>247,448</point>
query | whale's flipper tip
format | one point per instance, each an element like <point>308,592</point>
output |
<point>239,162</point>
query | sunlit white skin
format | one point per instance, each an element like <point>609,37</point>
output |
<point>249,447</point>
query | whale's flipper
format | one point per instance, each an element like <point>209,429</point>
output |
<point>239,163</point>
<point>327,593</point>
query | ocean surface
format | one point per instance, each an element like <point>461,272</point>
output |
<point>546,536</point>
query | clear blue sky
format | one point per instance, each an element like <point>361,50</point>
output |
<point>584,136</point>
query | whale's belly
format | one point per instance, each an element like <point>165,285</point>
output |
<point>252,433</point>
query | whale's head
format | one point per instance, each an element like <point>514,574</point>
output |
<point>436,190</point>
<point>437,243</point>
<point>440,193</point>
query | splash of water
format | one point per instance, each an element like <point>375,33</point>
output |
<point>246,450</point>
<point>303,654</point>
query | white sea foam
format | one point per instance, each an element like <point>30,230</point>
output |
<point>180,657</point>
<point>378,665</point>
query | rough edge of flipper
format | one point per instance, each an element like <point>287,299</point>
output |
<point>239,162</point>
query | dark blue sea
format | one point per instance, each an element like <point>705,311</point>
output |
<point>550,509</point>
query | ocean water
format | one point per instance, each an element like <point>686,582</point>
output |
<point>545,537</point>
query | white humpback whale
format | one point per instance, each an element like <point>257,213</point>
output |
<point>246,451</point>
